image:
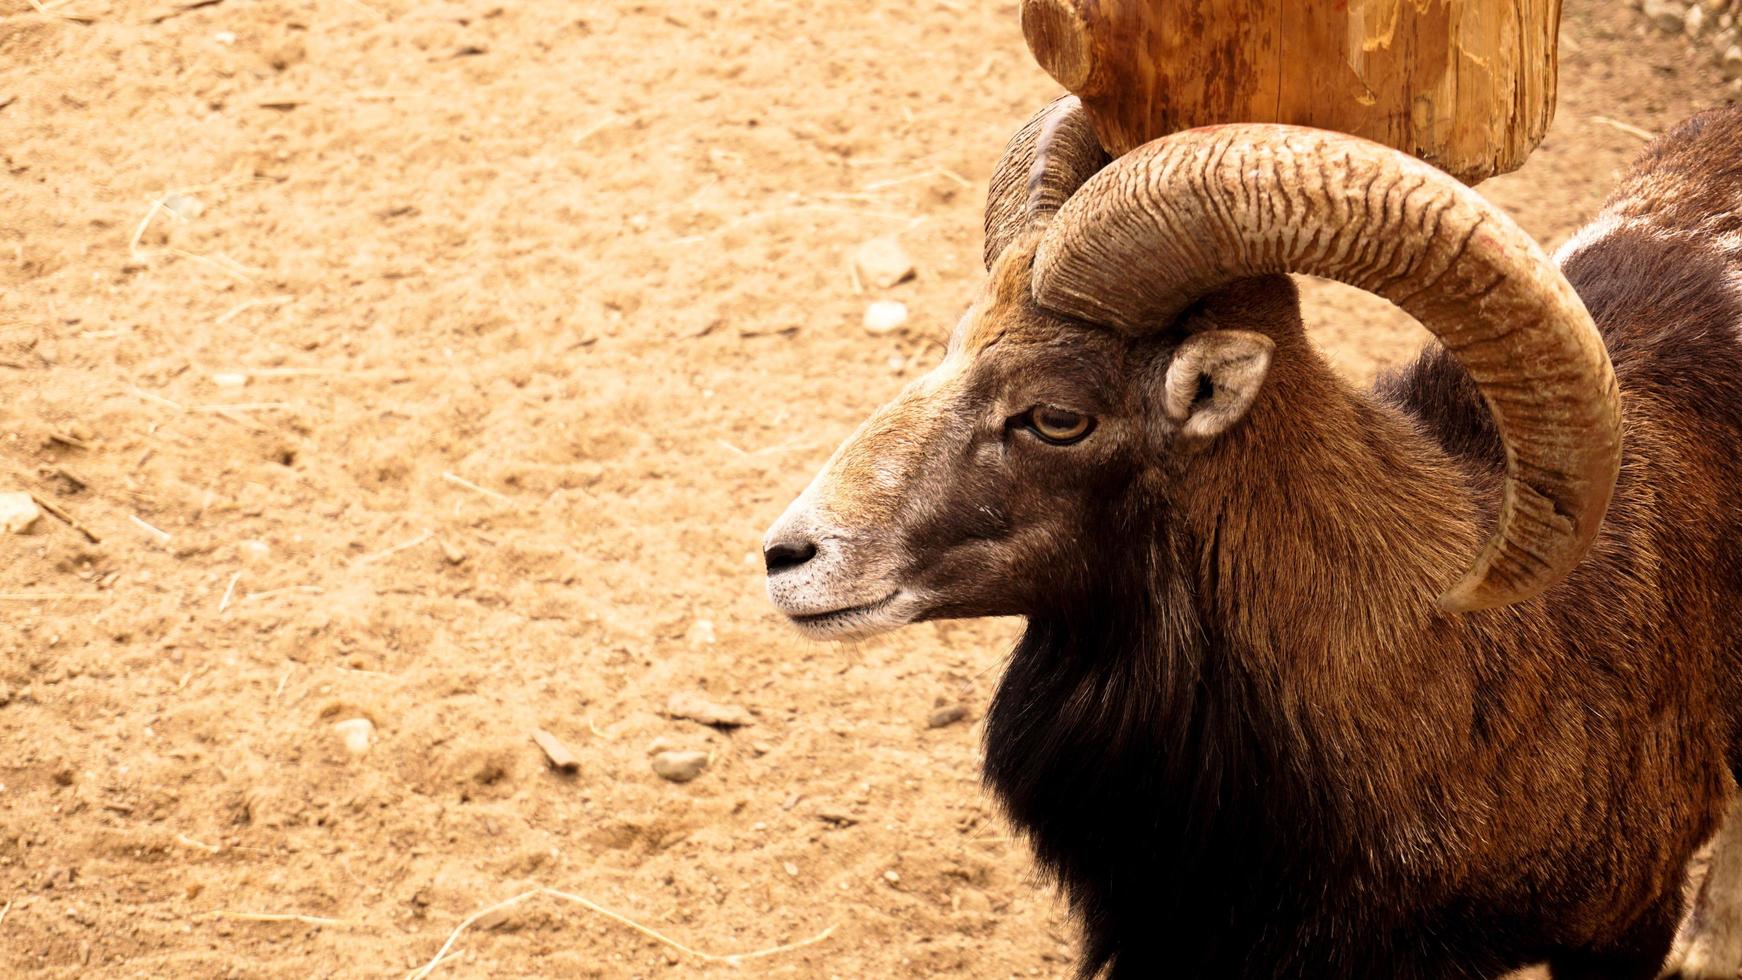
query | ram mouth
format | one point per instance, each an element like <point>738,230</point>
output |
<point>860,620</point>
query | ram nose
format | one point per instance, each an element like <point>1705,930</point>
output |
<point>790,551</point>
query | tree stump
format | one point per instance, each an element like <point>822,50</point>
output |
<point>1467,85</point>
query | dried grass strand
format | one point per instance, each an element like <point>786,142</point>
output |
<point>396,549</point>
<point>732,959</point>
<point>198,845</point>
<point>1625,127</point>
<point>69,520</point>
<point>229,590</point>
<point>158,399</point>
<point>947,174</point>
<point>460,481</point>
<point>162,536</point>
<point>312,920</point>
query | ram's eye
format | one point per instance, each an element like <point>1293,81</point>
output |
<point>1059,426</point>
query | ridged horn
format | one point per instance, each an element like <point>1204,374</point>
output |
<point>1042,166</point>
<point>1200,209</point>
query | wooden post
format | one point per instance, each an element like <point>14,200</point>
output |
<point>1468,85</point>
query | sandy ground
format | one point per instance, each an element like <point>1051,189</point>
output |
<point>544,313</point>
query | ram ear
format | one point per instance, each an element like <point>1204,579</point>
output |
<point>1213,379</point>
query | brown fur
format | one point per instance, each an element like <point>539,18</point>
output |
<point>1240,730</point>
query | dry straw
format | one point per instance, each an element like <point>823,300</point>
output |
<point>732,959</point>
<point>1625,127</point>
<point>310,920</point>
<point>460,481</point>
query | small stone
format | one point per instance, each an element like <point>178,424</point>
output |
<point>255,552</point>
<point>701,633</point>
<point>683,704</point>
<point>229,379</point>
<point>885,315</point>
<point>1733,62</point>
<point>882,262</point>
<point>18,512</point>
<point>559,755</point>
<point>1665,15</point>
<point>452,553</point>
<point>357,733</point>
<point>946,716</point>
<point>1694,22</point>
<point>791,869</point>
<point>837,816</point>
<point>891,877</point>
<point>680,767</point>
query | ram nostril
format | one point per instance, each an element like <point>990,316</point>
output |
<point>780,557</point>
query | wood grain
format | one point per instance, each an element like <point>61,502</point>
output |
<point>1468,85</point>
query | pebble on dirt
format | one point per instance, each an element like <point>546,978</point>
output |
<point>882,262</point>
<point>1665,15</point>
<point>680,767</point>
<point>946,716</point>
<point>18,511</point>
<point>559,755</point>
<point>683,704</point>
<point>885,315</point>
<point>357,733</point>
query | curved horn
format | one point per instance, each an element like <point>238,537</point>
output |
<point>1203,208</point>
<point>1043,164</point>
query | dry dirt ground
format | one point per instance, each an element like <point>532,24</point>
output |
<point>544,313</point>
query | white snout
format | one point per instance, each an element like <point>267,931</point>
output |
<point>829,583</point>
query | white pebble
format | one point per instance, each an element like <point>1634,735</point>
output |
<point>701,633</point>
<point>229,379</point>
<point>357,733</point>
<point>18,512</point>
<point>885,315</point>
<point>882,262</point>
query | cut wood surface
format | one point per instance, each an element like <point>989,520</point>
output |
<point>1468,85</point>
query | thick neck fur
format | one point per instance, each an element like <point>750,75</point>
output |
<point>1262,751</point>
<point>1245,720</point>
